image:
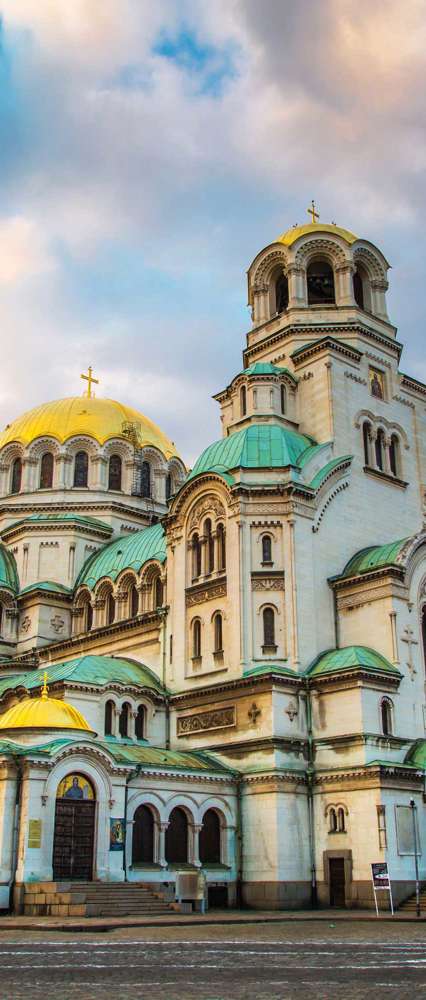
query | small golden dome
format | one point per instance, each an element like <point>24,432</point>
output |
<point>101,419</point>
<point>294,234</point>
<point>43,713</point>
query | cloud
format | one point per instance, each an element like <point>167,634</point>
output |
<point>150,150</point>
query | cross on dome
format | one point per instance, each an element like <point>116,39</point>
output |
<point>91,380</point>
<point>311,211</point>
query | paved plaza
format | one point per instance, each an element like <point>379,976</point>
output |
<point>286,961</point>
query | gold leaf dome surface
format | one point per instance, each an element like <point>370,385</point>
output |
<point>101,419</point>
<point>43,713</point>
<point>291,235</point>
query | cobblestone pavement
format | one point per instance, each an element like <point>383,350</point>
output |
<point>257,962</point>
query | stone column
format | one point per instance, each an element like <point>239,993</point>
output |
<point>29,467</point>
<point>386,456</point>
<point>260,304</point>
<point>296,286</point>
<point>378,295</point>
<point>4,480</point>
<point>162,827</point>
<point>7,811</point>
<point>196,830</point>
<point>345,289</point>
<point>159,485</point>
<point>99,473</point>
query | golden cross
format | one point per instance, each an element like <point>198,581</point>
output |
<point>311,211</point>
<point>45,689</point>
<point>91,380</point>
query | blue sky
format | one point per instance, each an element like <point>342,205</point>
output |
<point>148,151</point>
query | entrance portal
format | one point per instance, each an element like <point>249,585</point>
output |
<point>74,829</point>
<point>337,882</point>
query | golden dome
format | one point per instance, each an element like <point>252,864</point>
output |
<point>100,419</point>
<point>43,713</point>
<point>292,235</point>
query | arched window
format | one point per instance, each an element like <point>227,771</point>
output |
<point>358,290</point>
<point>266,549</point>
<point>88,616</point>
<point>110,608</point>
<point>209,546</point>
<point>379,447</point>
<point>243,401</point>
<point>1,618</point>
<point>81,469</point>
<point>366,437</point>
<point>210,839</point>
<point>268,629</point>
<point>221,546</point>
<point>143,836</point>
<point>114,473</point>
<point>341,820</point>
<point>46,471</point>
<point>386,716</point>
<point>109,715</point>
<point>159,592</point>
<point>196,639</point>
<point>134,601</point>
<point>123,725</point>
<point>281,293</point>
<point>283,399</point>
<point>196,557</point>
<point>145,480</point>
<point>15,486</point>
<point>168,486</point>
<point>394,455</point>
<point>177,837</point>
<point>218,633</point>
<point>320,281</point>
<point>332,821</point>
<point>140,722</point>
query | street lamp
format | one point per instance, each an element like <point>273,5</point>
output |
<point>416,860</point>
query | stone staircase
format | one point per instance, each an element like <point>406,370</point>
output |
<point>409,906</point>
<point>96,899</point>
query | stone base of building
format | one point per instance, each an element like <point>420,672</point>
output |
<point>277,895</point>
<point>360,895</point>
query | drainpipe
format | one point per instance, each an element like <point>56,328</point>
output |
<point>133,774</point>
<point>336,620</point>
<point>239,844</point>
<point>310,772</point>
<point>15,834</point>
<point>163,672</point>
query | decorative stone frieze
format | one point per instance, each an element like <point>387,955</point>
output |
<point>219,718</point>
<point>209,591</point>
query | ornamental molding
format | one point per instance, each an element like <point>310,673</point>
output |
<point>57,527</point>
<point>413,385</point>
<point>89,640</point>
<point>267,583</point>
<point>405,402</point>
<point>330,248</point>
<point>57,624</point>
<point>356,378</point>
<point>381,423</point>
<point>374,266</point>
<point>339,489</point>
<point>25,625</point>
<point>207,505</point>
<point>326,330</point>
<point>262,272</point>
<point>378,359</point>
<point>219,718</point>
<point>205,592</point>
<point>281,777</point>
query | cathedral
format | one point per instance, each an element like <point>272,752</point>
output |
<point>221,670</point>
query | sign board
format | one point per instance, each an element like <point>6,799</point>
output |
<point>34,833</point>
<point>381,880</point>
<point>116,834</point>
<point>380,875</point>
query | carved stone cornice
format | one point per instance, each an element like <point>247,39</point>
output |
<point>346,679</point>
<point>57,527</point>
<point>332,329</point>
<point>211,691</point>
<point>89,639</point>
<point>216,718</point>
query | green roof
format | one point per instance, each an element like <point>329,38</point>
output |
<point>374,557</point>
<point>265,669</point>
<point>130,552</point>
<point>258,446</point>
<point>416,755</point>
<point>49,585</point>
<point>322,474</point>
<point>350,658</point>
<point>8,571</point>
<point>126,753</point>
<point>267,368</point>
<point>90,522</point>
<point>96,670</point>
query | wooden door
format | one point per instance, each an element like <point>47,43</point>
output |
<point>73,841</point>
<point>337,882</point>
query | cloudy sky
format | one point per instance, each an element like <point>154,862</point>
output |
<point>149,150</point>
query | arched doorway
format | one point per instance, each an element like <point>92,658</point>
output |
<point>210,838</point>
<point>143,836</point>
<point>74,829</point>
<point>177,837</point>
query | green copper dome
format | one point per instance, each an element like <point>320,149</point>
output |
<point>258,446</point>
<point>90,669</point>
<point>349,658</point>
<point>8,571</point>
<point>130,552</point>
<point>374,557</point>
